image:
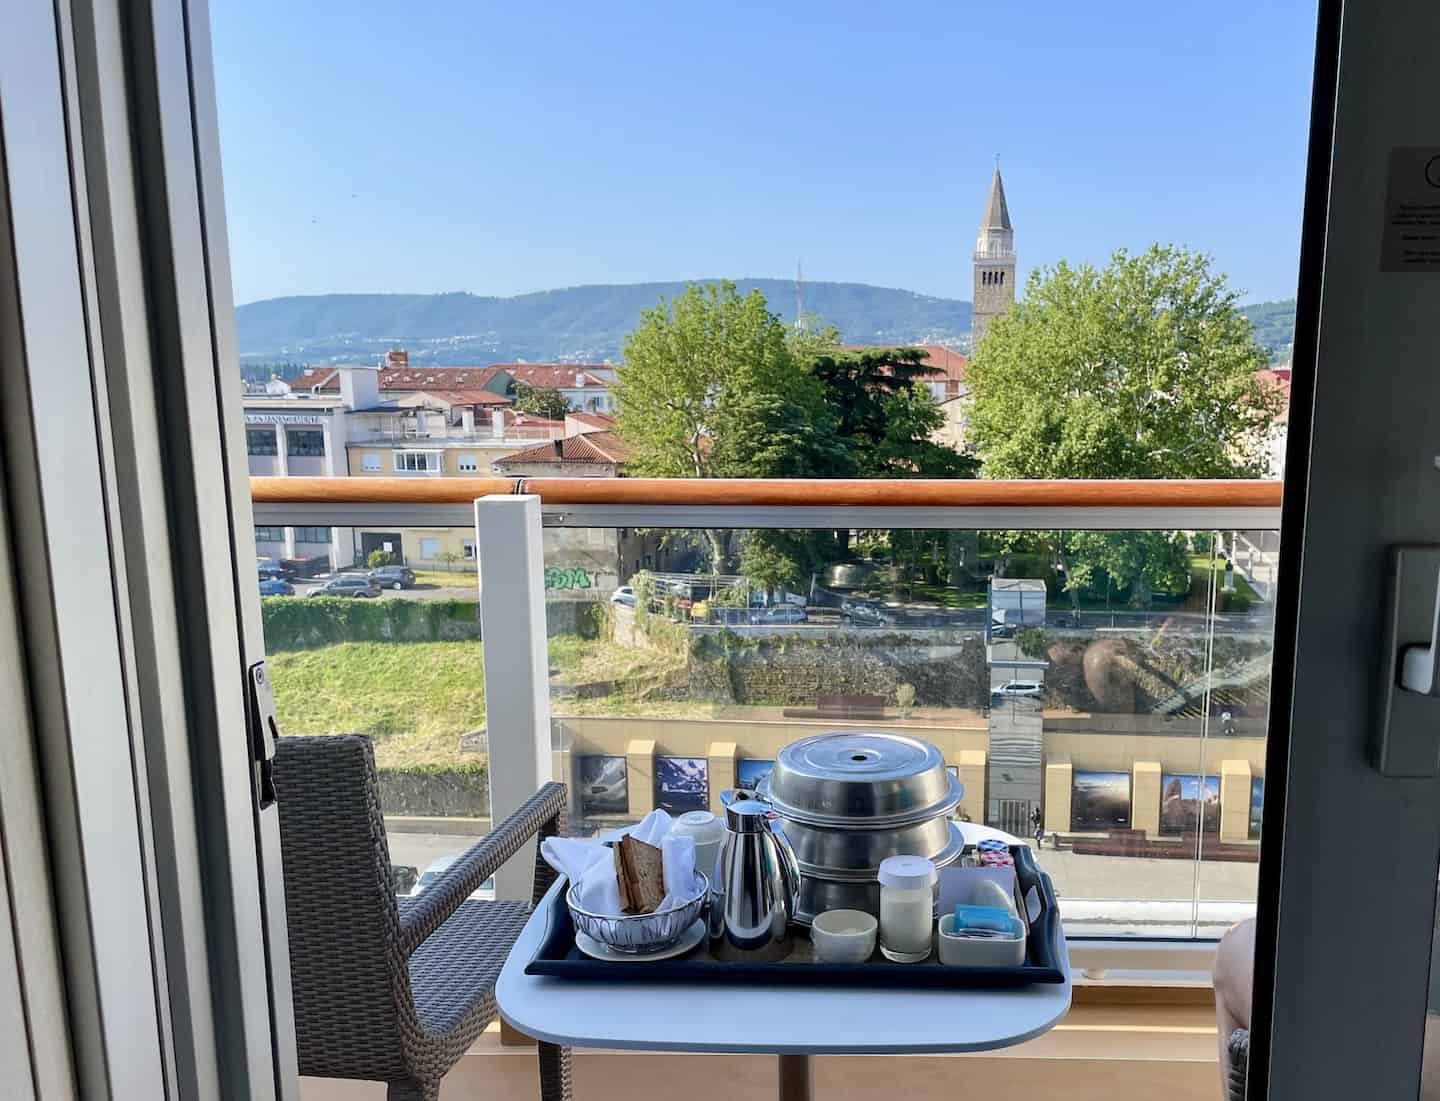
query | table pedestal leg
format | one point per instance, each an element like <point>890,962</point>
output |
<point>795,1078</point>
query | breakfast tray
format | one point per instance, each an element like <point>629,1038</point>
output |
<point>558,956</point>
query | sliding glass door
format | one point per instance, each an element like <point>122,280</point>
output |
<point>1348,867</point>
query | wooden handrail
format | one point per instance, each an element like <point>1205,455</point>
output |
<point>762,492</point>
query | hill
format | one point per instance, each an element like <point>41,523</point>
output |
<point>588,324</point>
<point>574,324</point>
<point>1274,325</point>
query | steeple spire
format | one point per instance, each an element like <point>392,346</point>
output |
<point>997,211</point>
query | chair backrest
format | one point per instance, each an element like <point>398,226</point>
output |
<point>350,981</point>
<point>1238,1048</point>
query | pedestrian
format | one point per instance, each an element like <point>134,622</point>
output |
<point>1037,820</point>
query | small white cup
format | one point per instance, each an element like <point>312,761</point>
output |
<point>708,832</point>
<point>843,936</point>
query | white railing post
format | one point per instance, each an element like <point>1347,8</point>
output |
<point>511,562</point>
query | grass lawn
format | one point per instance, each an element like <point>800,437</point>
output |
<point>1200,566</point>
<point>947,597</point>
<point>447,579</point>
<point>574,660</point>
<point>416,698</point>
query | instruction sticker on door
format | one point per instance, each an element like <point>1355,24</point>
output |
<point>1411,240</point>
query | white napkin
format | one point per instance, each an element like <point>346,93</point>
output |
<point>590,864</point>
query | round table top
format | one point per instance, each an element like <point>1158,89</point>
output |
<point>777,1020</point>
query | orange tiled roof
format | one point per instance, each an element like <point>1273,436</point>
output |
<point>600,421</point>
<point>557,375</point>
<point>590,447</point>
<point>468,397</point>
<point>1278,377</point>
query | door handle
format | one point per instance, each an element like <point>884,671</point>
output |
<point>1407,735</point>
<point>263,732</point>
<point>1419,665</point>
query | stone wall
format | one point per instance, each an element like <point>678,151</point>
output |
<point>461,793</point>
<point>946,668</point>
<point>1152,671</point>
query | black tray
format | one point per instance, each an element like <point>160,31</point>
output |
<point>557,955</point>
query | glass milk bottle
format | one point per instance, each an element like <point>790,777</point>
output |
<point>907,907</point>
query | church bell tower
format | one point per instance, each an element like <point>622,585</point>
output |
<point>994,262</point>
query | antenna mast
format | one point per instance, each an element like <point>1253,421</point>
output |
<point>800,326</point>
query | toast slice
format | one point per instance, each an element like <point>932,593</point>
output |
<point>640,873</point>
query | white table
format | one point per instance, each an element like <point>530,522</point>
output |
<point>793,1022</point>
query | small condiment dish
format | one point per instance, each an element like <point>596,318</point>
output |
<point>843,936</point>
<point>992,950</point>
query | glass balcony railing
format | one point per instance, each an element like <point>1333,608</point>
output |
<point>1092,659</point>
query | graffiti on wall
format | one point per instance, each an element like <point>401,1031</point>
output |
<point>568,578</point>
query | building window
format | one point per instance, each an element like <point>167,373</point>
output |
<point>469,548</point>
<point>260,441</point>
<point>467,464</point>
<point>417,462</point>
<point>312,535</point>
<point>269,535</point>
<point>370,463</point>
<point>429,548</point>
<point>305,442</point>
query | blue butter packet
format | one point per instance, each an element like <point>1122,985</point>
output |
<point>995,918</point>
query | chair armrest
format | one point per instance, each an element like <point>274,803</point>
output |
<point>542,814</point>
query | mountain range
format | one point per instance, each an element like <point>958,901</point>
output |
<point>588,324</point>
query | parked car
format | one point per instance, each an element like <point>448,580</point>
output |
<point>393,577</point>
<point>1018,690</point>
<point>780,613</point>
<point>624,595</point>
<point>276,586</point>
<point>268,568</point>
<point>437,868</point>
<point>1001,630</point>
<point>348,584</point>
<point>858,614</point>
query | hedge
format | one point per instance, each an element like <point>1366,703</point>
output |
<point>300,623</point>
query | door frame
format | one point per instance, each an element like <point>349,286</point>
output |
<point>1343,847</point>
<point>123,476</point>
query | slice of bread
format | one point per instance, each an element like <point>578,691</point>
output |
<point>640,872</point>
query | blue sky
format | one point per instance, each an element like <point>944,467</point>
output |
<point>501,148</point>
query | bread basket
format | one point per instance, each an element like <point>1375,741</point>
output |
<point>640,933</point>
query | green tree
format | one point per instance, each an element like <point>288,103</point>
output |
<point>711,389</point>
<point>1142,369</point>
<point>771,558</point>
<point>887,417</point>
<point>886,414</point>
<point>377,558</point>
<point>541,401</point>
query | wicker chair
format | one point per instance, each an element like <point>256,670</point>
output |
<point>1238,1048</point>
<point>386,989</point>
